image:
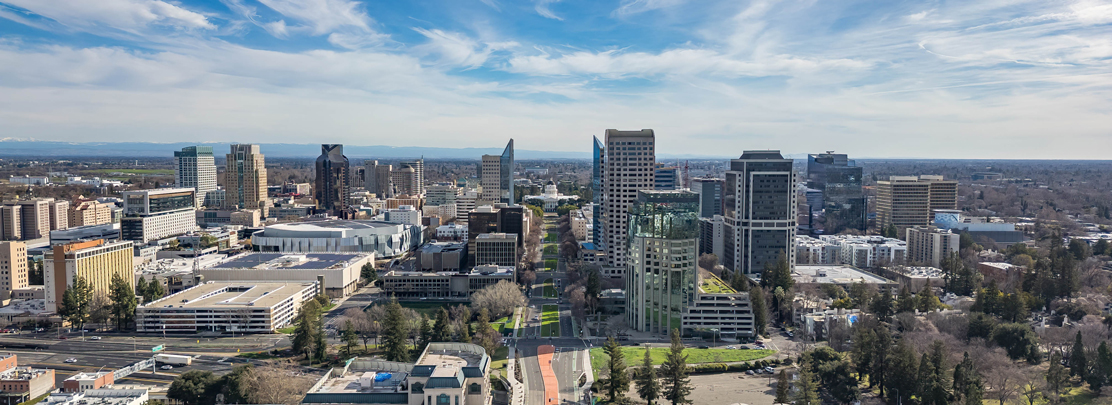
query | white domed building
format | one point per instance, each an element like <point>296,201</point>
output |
<point>550,199</point>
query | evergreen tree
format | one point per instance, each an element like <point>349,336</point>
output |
<point>926,301</point>
<point>368,273</point>
<point>154,291</point>
<point>122,294</point>
<point>1078,365</point>
<point>351,340</point>
<point>441,332</point>
<point>906,302</point>
<point>880,357</point>
<point>648,386</point>
<point>193,387</point>
<point>968,386</point>
<point>617,383</point>
<point>782,388</point>
<point>1013,309</point>
<point>395,330</point>
<point>1056,376</point>
<point>901,373</point>
<point>739,282</point>
<point>864,339</point>
<point>141,288</point>
<point>676,385</point>
<point>882,306</point>
<point>305,331</point>
<point>427,334</point>
<point>935,386</point>
<point>807,388</point>
<point>760,313</point>
<point>465,333</point>
<point>75,307</point>
<point>1100,370</point>
<point>924,375</point>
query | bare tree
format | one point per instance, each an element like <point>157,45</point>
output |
<point>100,309</point>
<point>1034,384</point>
<point>500,299</point>
<point>276,383</point>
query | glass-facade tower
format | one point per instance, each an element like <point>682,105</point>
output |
<point>597,153</point>
<point>662,246</point>
<point>839,180</point>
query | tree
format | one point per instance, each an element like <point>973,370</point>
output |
<point>1102,248</point>
<point>760,313</point>
<point>75,302</point>
<point>141,288</point>
<point>806,388</point>
<point>676,385</point>
<point>708,262</point>
<point>927,302</point>
<point>154,291</point>
<point>122,294</point>
<point>967,386</point>
<point>368,273</point>
<point>739,282</point>
<point>901,375</point>
<point>350,338</point>
<point>307,329</point>
<point>1056,376</point>
<point>500,299</point>
<point>594,288</point>
<point>1078,364</point>
<point>427,334</point>
<point>617,382</point>
<point>485,335</point>
<point>934,384</point>
<point>395,330</point>
<point>882,305</point>
<point>1033,386</point>
<point>208,241</point>
<point>1099,374</point>
<point>1079,249</point>
<point>1018,340</point>
<point>960,279</point>
<point>648,387</point>
<point>100,309</point>
<point>192,387</point>
<point>441,330</point>
<point>782,388</point>
<point>906,302</point>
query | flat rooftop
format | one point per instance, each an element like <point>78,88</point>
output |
<point>445,359</point>
<point>834,274</point>
<point>302,261</point>
<point>364,382</point>
<point>231,294</point>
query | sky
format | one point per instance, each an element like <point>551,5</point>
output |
<point>931,79</point>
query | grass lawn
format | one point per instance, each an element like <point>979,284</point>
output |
<point>550,290</point>
<point>286,330</point>
<point>498,360</point>
<point>550,321</point>
<point>502,324</point>
<point>548,237</point>
<point>551,250</point>
<point>550,264</point>
<point>427,308</point>
<point>36,400</point>
<point>634,354</point>
<point>714,285</point>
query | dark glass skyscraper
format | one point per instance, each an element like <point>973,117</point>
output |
<point>331,189</point>
<point>839,180</point>
<point>759,209</point>
<point>598,152</point>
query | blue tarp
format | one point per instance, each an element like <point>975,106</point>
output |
<point>380,377</point>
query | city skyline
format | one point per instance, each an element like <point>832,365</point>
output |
<point>977,80</point>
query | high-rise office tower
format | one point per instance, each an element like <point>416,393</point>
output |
<point>331,187</point>
<point>907,201</point>
<point>928,245</point>
<point>245,179</point>
<point>405,181</point>
<point>759,211</point>
<point>195,167</point>
<point>379,179</point>
<point>13,269</point>
<point>598,152</point>
<point>157,214</point>
<point>663,250</point>
<point>418,181</point>
<point>667,177</point>
<point>497,176</point>
<point>59,215</point>
<point>95,261</point>
<point>627,168</point>
<point>710,195</point>
<point>838,179</point>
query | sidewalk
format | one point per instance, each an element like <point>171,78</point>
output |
<point>517,389</point>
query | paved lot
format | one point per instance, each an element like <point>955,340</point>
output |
<point>727,389</point>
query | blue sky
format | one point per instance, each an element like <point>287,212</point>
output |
<point>960,79</point>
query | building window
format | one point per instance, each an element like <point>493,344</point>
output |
<point>443,399</point>
<point>474,389</point>
<point>417,388</point>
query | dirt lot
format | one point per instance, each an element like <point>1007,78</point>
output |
<point>727,389</point>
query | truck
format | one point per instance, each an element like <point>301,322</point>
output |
<point>174,359</point>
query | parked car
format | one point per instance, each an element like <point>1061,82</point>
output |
<point>743,347</point>
<point>71,360</point>
<point>167,367</point>
<point>750,372</point>
<point>95,338</point>
<point>731,347</point>
<point>704,347</point>
<point>769,369</point>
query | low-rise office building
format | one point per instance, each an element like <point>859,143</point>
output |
<point>156,214</point>
<point>108,231</point>
<point>442,256</point>
<point>245,307</point>
<point>443,285</point>
<point>103,396</point>
<point>444,374</point>
<point>384,239</point>
<point>841,275</point>
<point>21,384</point>
<point>496,248</point>
<point>340,271</point>
<point>81,382</point>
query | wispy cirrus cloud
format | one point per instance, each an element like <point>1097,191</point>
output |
<point>544,8</point>
<point>129,16</point>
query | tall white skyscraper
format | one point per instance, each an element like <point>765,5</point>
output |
<point>628,166</point>
<point>497,176</point>
<point>195,167</point>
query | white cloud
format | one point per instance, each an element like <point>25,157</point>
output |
<point>456,49</point>
<point>131,16</point>
<point>628,7</point>
<point>675,62</point>
<point>324,16</point>
<point>542,7</point>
